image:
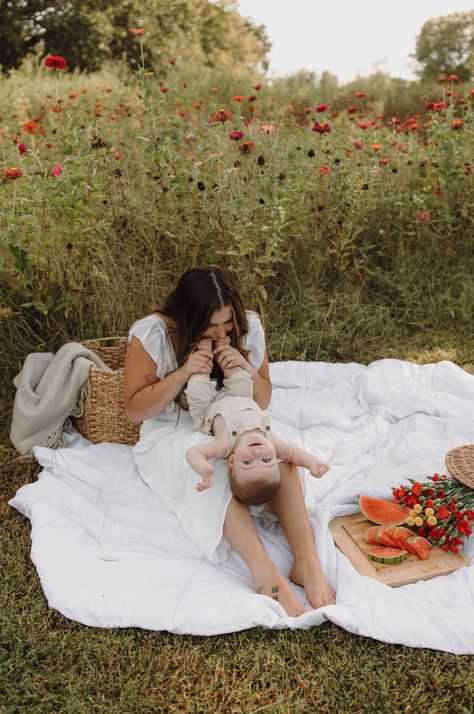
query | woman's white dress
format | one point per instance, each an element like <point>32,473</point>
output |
<point>160,453</point>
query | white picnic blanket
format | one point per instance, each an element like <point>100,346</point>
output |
<point>110,554</point>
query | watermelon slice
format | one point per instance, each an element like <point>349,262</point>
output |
<point>371,535</point>
<point>400,536</point>
<point>420,545</point>
<point>385,513</point>
<point>384,539</point>
<point>387,556</point>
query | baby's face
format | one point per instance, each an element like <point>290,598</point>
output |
<point>253,451</point>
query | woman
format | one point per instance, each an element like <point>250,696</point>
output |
<point>162,356</point>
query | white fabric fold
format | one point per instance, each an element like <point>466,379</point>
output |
<point>109,553</point>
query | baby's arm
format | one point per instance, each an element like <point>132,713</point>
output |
<point>198,458</point>
<point>299,457</point>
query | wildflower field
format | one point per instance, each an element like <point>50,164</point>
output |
<point>347,224</point>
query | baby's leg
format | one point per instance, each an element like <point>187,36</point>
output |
<point>289,507</point>
<point>200,393</point>
<point>239,384</point>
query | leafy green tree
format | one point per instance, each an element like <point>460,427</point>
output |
<point>87,32</point>
<point>445,46</point>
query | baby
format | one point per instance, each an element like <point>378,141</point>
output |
<point>243,434</point>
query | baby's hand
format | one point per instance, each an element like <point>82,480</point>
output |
<point>317,468</point>
<point>207,478</point>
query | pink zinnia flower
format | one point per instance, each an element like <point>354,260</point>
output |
<point>267,128</point>
<point>57,170</point>
<point>359,144</point>
<point>22,148</point>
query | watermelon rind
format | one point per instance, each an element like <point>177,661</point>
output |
<point>384,513</point>
<point>387,556</point>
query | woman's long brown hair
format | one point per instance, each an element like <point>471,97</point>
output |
<point>200,292</point>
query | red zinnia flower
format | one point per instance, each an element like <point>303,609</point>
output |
<point>138,31</point>
<point>172,60</point>
<point>30,126</point>
<point>164,89</point>
<point>457,124</point>
<point>56,62</point>
<point>324,169</point>
<point>360,95</point>
<point>351,109</point>
<point>236,135</point>
<point>220,115</point>
<point>252,98</point>
<point>12,173</point>
<point>359,144</point>
<point>22,148</point>
<point>439,191</point>
<point>322,107</point>
<point>453,77</point>
<point>238,98</point>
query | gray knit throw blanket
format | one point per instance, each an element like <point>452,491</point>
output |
<point>50,389</point>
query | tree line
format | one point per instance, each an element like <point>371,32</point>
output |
<point>210,33</point>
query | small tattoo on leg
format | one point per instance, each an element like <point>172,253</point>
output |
<point>275,591</point>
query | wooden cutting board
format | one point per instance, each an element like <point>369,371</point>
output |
<point>348,533</point>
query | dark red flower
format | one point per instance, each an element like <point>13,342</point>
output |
<point>56,62</point>
<point>257,86</point>
<point>236,135</point>
<point>321,128</point>
<point>246,147</point>
<point>322,107</point>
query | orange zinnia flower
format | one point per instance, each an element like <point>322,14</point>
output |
<point>386,160</point>
<point>246,147</point>
<point>324,169</point>
<point>364,124</point>
<point>12,173</point>
<point>238,98</point>
<point>30,126</point>
<point>457,124</point>
<point>138,31</point>
<point>376,147</point>
<point>453,78</point>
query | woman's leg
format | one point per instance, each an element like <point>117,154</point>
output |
<point>240,532</point>
<point>289,507</point>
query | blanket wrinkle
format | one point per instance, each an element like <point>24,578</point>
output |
<point>50,389</point>
<point>153,576</point>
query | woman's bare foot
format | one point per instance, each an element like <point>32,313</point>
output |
<point>309,575</point>
<point>271,582</point>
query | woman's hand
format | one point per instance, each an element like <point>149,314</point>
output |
<point>229,359</point>
<point>199,362</point>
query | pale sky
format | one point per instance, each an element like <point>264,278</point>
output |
<point>350,38</point>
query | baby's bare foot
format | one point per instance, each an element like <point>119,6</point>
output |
<point>204,345</point>
<point>309,575</point>
<point>272,583</point>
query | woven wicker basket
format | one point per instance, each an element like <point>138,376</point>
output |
<point>104,417</point>
<point>460,464</point>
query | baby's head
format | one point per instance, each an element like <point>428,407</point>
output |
<point>253,468</point>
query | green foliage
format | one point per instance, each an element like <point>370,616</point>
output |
<point>445,46</point>
<point>342,249</point>
<point>91,32</point>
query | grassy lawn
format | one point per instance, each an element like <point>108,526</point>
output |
<point>50,664</point>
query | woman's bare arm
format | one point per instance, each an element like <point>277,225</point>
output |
<point>145,395</point>
<point>262,386</point>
